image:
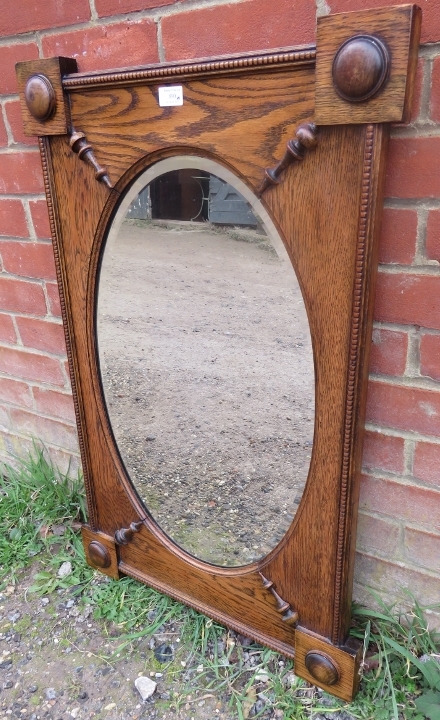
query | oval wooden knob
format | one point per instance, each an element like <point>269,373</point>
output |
<point>360,68</point>
<point>99,555</point>
<point>40,97</point>
<point>322,668</point>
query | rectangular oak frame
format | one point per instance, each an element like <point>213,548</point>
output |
<point>97,133</point>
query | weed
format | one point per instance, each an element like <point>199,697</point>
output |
<point>34,494</point>
<point>71,551</point>
<point>405,679</point>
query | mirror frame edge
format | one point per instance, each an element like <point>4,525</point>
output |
<point>345,659</point>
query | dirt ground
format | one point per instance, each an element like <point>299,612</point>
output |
<point>58,663</point>
<point>208,375</point>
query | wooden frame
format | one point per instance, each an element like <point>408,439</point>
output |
<point>248,112</point>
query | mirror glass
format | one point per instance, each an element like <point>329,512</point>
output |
<point>206,360</point>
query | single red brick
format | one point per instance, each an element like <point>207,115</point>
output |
<point>390,580</point>
<point>101,47</point>
<point>13,219</point>
<point>40,218</point>
<point>435,90</point>
<point>404,408</point>
<point>15,120</point>
<point>409,299</point>
<point>427,463</point>
<point>398,236</point>
<point>48,431</point>
<point>31,15</point>
<point>30,259</point>
<point>384,452</point>
<point>31,366</point>
<point>9,55</point>
<point>430,8</point>
<point>50,402</point>
<point>22,296</point>
<point>378,534</point>
<point>240,27</point>
<point>433,236</point>
<point>396,500</point>
<point>7,330</point>
<point>423,548</point>
<point>105,8</point>
<point>5,422</point>
<point>412,168</point>
<point>3,133</point>
<point>430,356</point>
<point>388,352</point>
<point>21,172</point>
<point>54,299</point>
<point>16,445</point>
<point>68,463</point>
<point>42,335</point>
<point>14,392</point>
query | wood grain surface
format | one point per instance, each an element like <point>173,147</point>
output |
<point>225,117</point>
<point>399,29</point>
<point>53,69</point>
<point>316,208</point>
<point>346,660</point>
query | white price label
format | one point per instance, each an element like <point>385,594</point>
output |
<point>170,95</point>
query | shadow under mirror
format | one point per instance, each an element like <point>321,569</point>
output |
<point>206,361</point>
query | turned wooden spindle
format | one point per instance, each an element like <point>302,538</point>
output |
<point>306,139</point>
<point>288,615</point>
<point>84,150</point>
<point>125,535</point>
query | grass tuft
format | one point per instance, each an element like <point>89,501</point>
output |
<point>34,495</point>
<point>403,658</point>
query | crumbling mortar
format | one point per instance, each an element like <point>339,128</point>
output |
<point>9,133</point>
<point>160,47</point>
<point>29,221</point>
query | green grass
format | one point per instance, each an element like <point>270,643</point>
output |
<point>406,679</point>
<point>34,495</point>
<point>401,672</point>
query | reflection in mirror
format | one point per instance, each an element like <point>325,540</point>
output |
<point>206,361</point>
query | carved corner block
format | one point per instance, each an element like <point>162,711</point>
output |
<point>365,65</point>
<point>335,670</point>
<point>100,551</point>
<point>44,108</point>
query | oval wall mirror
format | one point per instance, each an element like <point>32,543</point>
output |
<point>206,360</point>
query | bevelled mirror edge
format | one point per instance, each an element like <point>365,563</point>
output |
<point>369,208</point>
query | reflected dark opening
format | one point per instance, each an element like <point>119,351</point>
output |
<point>194,196</point>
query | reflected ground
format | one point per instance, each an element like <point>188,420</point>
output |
<point>208,376</point>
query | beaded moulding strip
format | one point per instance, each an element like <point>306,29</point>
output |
<point>290,57</point>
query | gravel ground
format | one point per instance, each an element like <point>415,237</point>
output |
<point>57,663</point>
<point>208,375</point>
<point>53,665</point>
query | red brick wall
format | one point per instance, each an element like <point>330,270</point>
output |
<point>399,530</point>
